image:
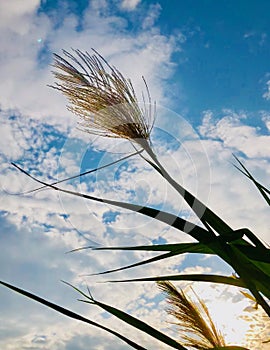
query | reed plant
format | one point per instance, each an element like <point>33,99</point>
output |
<point>106,104</point>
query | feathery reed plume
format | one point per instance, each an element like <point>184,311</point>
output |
<point>193,319</point>
<point>102,97</point>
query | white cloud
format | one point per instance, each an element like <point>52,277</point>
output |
<point>16,16</point>
<point>255,40</point>
<point>266,119</point>
<point>130,5</point>
<point>248,35</point>
<point>26,53</point>
<point>266,94</point>
<point>235,134</point>
<point>150,19</point>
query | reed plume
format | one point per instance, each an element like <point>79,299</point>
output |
<point>102,97</point>
<point>193,319</point>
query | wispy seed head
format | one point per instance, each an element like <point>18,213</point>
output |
<point>102,97</point>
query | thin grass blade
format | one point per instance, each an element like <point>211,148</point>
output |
<point>82,174</point>
<point>262,189</point>
<point>255,279</point>
<point>132,321</point>
<point>140,263</point>
<point>181,248</point>
<point>195,231</point>
<point>206,215</point>
<point>71,314</point>
<point>250,251</point>
<point>237,282</point>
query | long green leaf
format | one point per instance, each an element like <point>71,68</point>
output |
<point>262,189</point>
<point>200,248</point>
<point>140,263</point>
<point>254,253</point>
<point>177,249</point>
<point>255,279</point>
<point>195,231</point>
<point>84,173</point>
<point>71,314</point>
<point>180,247</point>
<point>265,267</point>
<point>132,321</point>
<point>206,215</point>
<point>219,246</point>
<point>237,282</point>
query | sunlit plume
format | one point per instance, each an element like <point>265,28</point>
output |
<point>102,97</point>
<point>196,326</point>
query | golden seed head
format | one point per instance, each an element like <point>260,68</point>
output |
<point>104,100</point>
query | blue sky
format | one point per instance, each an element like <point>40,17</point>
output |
<point>207,66</point>
<point>227,51</point>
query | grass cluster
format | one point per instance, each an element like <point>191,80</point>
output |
<point>107,105</point>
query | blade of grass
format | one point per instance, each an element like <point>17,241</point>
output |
<point>195,231</point>
<point>250,273</point>
<point>173,250</point>
<point>207,216</point>
<point>262,189</point>
<point>132,321</point>
<point>250,251</point>
<point>217,245</point>
<point>184,247</point>
<point>254,278</point>
<point>71,314</point>
<point>140,263</point>
<point>82,174</point>
<point>237,282</point>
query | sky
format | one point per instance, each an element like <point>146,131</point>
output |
<point>206,64</point>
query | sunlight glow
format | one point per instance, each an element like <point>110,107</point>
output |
<point>237,318</point>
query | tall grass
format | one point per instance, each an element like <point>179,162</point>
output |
<point>107,105</point>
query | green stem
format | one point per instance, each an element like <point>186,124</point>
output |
<point>207,216</point>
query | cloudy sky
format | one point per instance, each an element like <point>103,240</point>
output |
<point>206,64</point>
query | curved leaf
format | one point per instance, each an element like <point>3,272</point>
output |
<point>131,320</point>
<point>206,215</point>
<point>71,314</point>
<point>250,251</point>
<point>262,189</point>
<point>180,247</point>
<point>82,174</point>
<point>190,228</point>
<point>237,282</point>
<point>175,249</point>
<point>255,279</point>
